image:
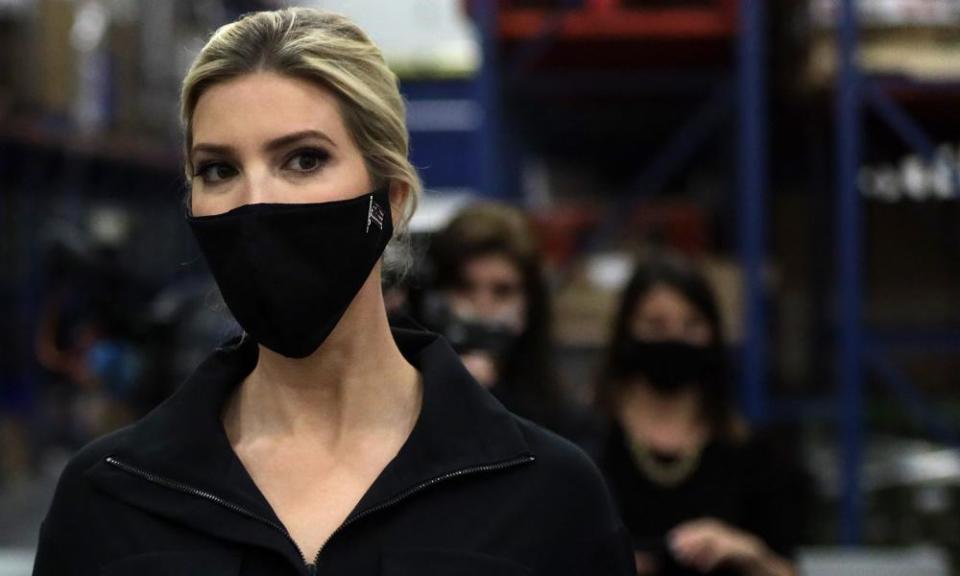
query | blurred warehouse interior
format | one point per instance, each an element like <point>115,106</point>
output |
<point>805,152</point>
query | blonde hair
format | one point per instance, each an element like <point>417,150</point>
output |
<point>327,49</point>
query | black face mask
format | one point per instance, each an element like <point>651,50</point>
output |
<point>288,272</point>
<point>467,334</point>
<point>668,365</point>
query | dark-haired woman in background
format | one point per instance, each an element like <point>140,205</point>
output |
<point>698,491</point>
<point>488,273</point>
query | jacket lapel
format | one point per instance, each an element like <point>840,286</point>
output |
<point>177,463</point>
<point>461,426</point>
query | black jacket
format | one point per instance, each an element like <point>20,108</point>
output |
<point>473,491</point>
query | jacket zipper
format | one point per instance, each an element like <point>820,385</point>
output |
<point>312,568</point>
<point>181,487</point>
<point>423,485</point>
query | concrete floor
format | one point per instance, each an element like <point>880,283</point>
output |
<point>22,508</point>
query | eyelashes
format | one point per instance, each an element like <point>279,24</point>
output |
<point>214,172</point>
<point>300,162</point>
<point>307,160</point>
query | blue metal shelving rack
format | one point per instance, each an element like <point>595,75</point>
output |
<point>458,148</point>
<point>849,369</point>
<point>746,97</point>
<point>752,215</point>
<point>857,348</point>
<point>860,347</point>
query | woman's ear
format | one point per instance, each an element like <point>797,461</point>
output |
<point>399,191</point>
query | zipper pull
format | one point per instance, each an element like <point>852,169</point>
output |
<point>312,569</point>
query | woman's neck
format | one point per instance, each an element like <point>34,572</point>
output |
<point>665,422</point>
<point>356,383</point>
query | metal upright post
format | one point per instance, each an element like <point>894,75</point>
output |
<point>752,205</point>
<point>488,96</point>
<point>849,359</point>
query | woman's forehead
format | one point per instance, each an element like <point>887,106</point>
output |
<point>263,106</point>
<point>664,299</point>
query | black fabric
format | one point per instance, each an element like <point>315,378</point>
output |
<point>749,486</point>
<point>288,272</point>
<point>668,365</point>
<point>474,490</point>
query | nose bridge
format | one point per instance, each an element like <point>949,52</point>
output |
<point>486,299</point>
<point>256,182</point>
<point>676,328</point>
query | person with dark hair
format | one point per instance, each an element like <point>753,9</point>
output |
<point>699,491</point>
<point>496,310</point>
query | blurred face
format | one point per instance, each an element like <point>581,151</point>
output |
<point>269,138</point>
<point>665,314</point>
<point>492,290</point>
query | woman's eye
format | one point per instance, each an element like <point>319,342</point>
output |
<point>306,160</point>
<point>215,172</point>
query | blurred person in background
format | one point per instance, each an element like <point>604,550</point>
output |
<point>90,330</point>
<point>493,304</point>
<point>324,440</point>
<point>700,492</point>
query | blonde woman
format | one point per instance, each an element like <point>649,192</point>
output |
<point>325,441</point>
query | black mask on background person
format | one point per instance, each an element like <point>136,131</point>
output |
<point>288,272</point>
<point>668,365</point>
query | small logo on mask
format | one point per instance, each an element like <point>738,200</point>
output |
<point>375,215</point>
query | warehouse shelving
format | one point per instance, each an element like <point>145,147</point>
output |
<point>739,89</point>
<point>860,347</point>
<point>612,19</point>
<point>888,97</point>
<point>133,149</point>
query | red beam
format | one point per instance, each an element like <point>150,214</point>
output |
<point>516,24</point>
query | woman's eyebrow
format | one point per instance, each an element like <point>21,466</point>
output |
<point>215,149</point>
<point>276,143</point>
<point>284,141</point>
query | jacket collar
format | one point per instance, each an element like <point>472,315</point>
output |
<point>460,427</point>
